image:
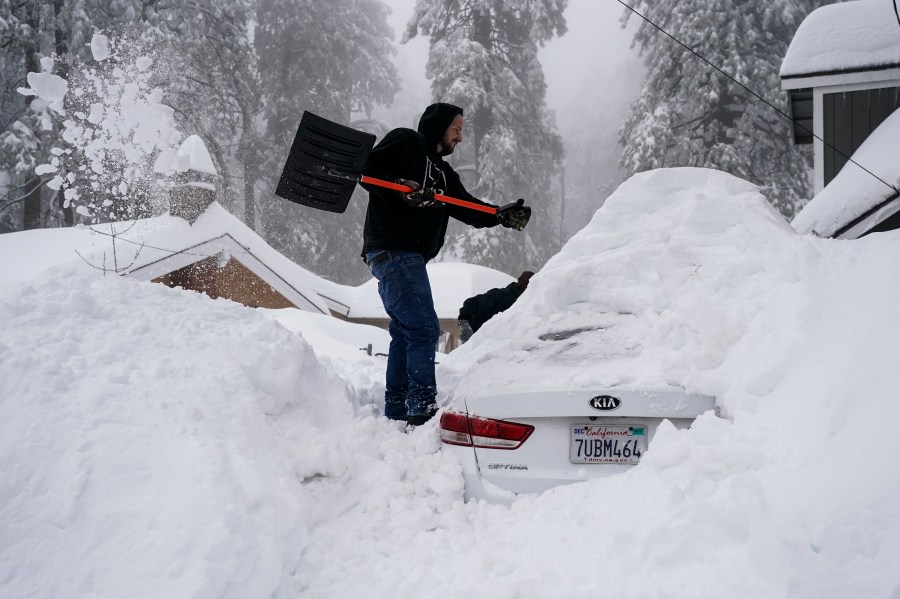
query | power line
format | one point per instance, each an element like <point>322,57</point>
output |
<point>758,96</point>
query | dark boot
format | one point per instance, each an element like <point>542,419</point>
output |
<point>421,417</point>
<point>394,409</point>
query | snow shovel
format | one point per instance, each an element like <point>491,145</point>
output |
<point>326,162</point>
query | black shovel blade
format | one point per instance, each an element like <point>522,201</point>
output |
<point>324,164</point>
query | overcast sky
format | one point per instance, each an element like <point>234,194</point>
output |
<point>590,66</point>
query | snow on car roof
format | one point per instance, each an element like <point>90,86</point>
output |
<point>652,291</point>
<point>848,36</point>
<point>854,192</point>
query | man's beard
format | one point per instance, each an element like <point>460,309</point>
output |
<point>446,150</point>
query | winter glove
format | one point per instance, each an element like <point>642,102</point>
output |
<point>465,330</point>
<point>419,197</point>
<point>514,216</point>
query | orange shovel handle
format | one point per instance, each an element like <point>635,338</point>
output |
<point>439,197</point>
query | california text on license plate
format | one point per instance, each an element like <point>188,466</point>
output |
<point>607,444</point>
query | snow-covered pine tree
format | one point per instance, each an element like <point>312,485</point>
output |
<point>22,38</point>
<point>334,59</point>
<point>237,72</point>
<point>483,57</point>
<point>31,34</point>
<point>688,114</point>
<point>211,66</point>
<point>113,134</point>
<point>157,49</point>
<point>18,141</point>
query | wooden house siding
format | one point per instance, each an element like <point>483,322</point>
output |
<point>233,281</point>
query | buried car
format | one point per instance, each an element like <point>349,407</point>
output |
<point>521,431</point>
<point>634,322</point>
<point>525,442</point>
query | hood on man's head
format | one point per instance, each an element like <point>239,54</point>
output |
<point>435,120</point>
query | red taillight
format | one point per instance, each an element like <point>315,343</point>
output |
<point>455,429</point>
<point>460,429</point>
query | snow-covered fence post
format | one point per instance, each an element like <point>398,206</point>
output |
<point>195,180</point>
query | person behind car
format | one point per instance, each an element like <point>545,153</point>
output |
<point>402,232</point>
<point>478,309</point>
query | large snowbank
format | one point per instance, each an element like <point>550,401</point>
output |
<point>157,443</point>
<point>788,495</point>
<point>665,280</point>
<point>169,463</point>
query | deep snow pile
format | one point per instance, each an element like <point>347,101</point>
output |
<point>791,495</point>
<point>667,281</point>
<point>156,443</point>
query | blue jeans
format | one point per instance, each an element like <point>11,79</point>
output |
<point>403,285</point>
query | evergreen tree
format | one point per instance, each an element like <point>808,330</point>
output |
<point>197,55</point>
<point>115,132</point>
<point>333,59</point>
<point>23,35</point>
<point>33,34</point>
<point>688,114</point>
<point>213,83</point>
<point>237,72</point>
<point>483,57</point>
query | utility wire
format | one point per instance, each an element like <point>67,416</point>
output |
<point>896,12</point>
<point>756,95</point>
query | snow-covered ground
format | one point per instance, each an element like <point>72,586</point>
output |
<point>156,443</point>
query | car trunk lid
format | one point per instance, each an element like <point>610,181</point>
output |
<point>606,402</point>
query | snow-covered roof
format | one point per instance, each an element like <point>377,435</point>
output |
<point>452,283</point>
<point>855,194</point>
<point>844,37</point>
<point>170,243</point>
<point>151,247</point>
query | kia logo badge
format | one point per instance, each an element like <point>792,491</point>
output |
<point>605,403</point>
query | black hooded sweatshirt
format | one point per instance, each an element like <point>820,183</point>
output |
<point>393,225</point>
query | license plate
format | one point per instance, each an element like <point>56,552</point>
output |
<point>607,444</point>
